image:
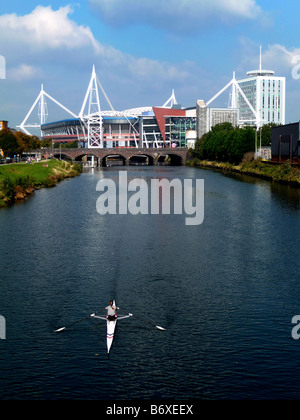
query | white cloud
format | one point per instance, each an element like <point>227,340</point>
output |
<point>276,57</point>
<point>24,72</point>
<point>279,56</point>
<point>46,31</point>
<point>240,8</point>
<point>45,28</point>
<point>176,15</point>
<point>47,46</point>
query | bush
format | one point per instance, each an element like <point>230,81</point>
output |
<point>24,181</point>
<point>50,181</point>
<point>8,188</point>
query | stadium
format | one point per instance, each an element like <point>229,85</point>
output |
<point>168,125</point>
<point>257,100</point>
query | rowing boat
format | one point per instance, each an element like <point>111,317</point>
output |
<point>110,327</point>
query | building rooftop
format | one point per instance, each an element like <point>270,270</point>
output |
<point>255,73</point>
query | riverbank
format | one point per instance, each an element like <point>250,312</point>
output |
<point>19,180</point>
<point>283,173</point>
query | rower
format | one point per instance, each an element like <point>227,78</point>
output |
<point>111,311</point>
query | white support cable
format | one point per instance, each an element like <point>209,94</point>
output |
<point>22,125</point>
<point>60,105</point>
<point>85,100</point>
<point>43,112</point>
<point>172,100</point>
<point>106,97</point>
<point>136,143</point>
<point>219,93</point>
<point>155,138</point>
<point>235,85</point>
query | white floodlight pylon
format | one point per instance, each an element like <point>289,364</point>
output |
<point>236,88</point>
<point>42,112</point>
<point>171,101</point>
<point>43,109</point>
<point>233,95</point>
<point>93,120</point>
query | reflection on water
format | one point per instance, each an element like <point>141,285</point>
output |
<point>286,194</point>
<point>225,291</point>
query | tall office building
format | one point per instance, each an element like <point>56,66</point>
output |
<point>209,117</point>
<point>266,94</point>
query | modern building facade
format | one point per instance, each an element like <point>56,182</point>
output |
<point>266,93</point>
<point>116,131</point>
<point>209,117</point>
<point>153,127</point>
<point>285,144</point>
<point>259,98</point>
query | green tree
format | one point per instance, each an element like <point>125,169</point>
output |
<point>243,141</point>
<point>71,145</point>
<point>266,132</point>
<point>27,142</point>
<point>34,143</point>
<point>46,142</point>
<point>9,143</point>
<point>23,140</point>
<point>225,143</point>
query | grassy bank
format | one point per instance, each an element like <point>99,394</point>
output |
<point>19,180</point>
<point>284,173</point>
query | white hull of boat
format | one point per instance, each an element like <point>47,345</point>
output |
<point>110,326</point>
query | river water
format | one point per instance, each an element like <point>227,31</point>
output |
<point>225,290</point>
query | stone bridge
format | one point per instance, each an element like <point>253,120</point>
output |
<point>125,156</point>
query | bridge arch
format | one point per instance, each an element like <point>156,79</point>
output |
<point>63,156</point>
<point>113,159</point>
<point>125,156</point>
<point>172,159</point>
<point>89,159</point>
<point>142,159</point>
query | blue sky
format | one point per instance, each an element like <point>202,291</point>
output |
<point>142,50</point>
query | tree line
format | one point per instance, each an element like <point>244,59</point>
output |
<point>14,143</point>
<point>226,143</point>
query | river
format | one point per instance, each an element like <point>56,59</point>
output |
<point>226,291</point>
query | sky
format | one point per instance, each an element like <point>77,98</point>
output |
<point>141,49</point>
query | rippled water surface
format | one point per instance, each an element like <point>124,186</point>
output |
<point>225,291</point>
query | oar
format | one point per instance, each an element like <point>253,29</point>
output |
<point>76,322</point>
<point>153,325</point>
<point>149,322</point>
<point>160,328</point>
